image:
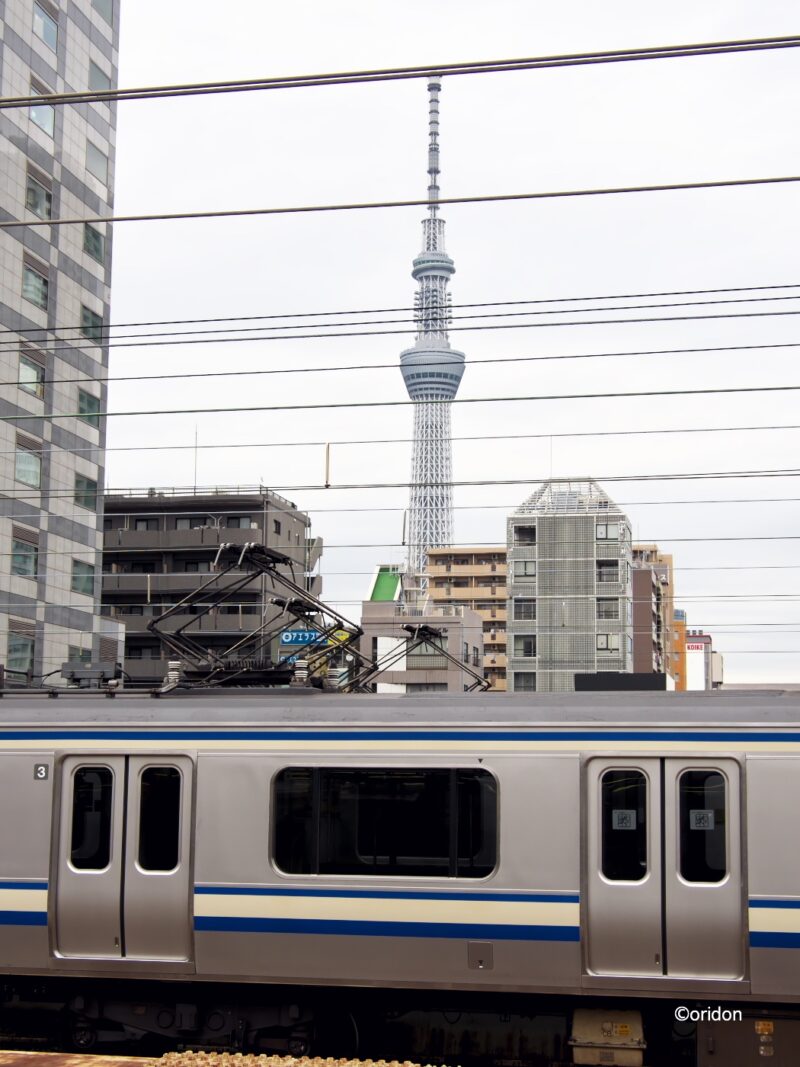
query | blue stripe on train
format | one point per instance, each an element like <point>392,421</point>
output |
<point>7,884</point>
<point>23,918</point>
<point>383,894</point>
<point>400,735</point>
<point>773,939</point>
<point>761,903</point>
<point>230,924</point>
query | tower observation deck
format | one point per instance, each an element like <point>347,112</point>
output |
<point>432,372</point>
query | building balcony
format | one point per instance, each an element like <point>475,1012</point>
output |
<point>205,539</point>
<point>466,570</point>
<point>498,614</point>
<point>236,622</point>
<point>494,660</point>
<point>469,592</point>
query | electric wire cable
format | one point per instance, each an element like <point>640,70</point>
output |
<point>340,368</point>
<point>490,66</point>
<point>352,442</point>
<point>397,310</point>
<point>191,336</point>
<point>489,198</point>
<point>349,404</point>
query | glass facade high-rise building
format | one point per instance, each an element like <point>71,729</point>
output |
<point>57,162</point>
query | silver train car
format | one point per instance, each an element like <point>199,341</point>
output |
<point>628,847</point>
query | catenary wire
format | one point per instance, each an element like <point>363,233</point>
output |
<point>392,310</point>
<point>490,66</point>
<point>144,340</point>
<point>257,508</point>
<point>410,440</point>
<point>489,198</point>
<point>789,472</point>
<point>338,368</point>
<point>69,347</point>
<point>618,395</point>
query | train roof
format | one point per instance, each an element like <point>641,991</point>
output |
<point>303,707</point>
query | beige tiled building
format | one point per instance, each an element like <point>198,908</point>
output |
<point>475,578</point>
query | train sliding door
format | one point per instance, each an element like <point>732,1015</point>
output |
<point>663,869</point>
<point>122,859</point>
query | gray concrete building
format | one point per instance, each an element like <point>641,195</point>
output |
<point>424,669</point>
<point>569,587</point>
<point>54,307</point>
<point>160,546</point>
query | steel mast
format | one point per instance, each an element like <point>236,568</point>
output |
<point>432,372</point>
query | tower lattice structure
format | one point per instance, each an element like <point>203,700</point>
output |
<point>432,372</point>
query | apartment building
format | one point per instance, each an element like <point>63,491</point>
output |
<point>475,578</point>
<point>654,642</point>
<point>160,547</point>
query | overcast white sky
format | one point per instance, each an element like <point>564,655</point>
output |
<point>623,124</point>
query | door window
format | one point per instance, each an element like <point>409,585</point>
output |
<point>624,821</point>
<point>90,846</point>
<point>702,826</point>
<point>159,818</point>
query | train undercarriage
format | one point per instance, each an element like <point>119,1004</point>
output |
<point>454,1028</point>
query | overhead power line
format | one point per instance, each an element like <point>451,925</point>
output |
<point>491,198</point>
<point>318,335</point>
<point>409,440</point>
<point>356,77</point>
<point>153,491</point>
<point>339,368</point>
<point>408,403</point>
<point>396,310</point>
<point>214,336</point>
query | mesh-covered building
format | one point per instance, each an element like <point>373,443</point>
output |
<point>569,587</point>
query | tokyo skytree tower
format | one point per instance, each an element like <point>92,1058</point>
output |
<point>432,371</point>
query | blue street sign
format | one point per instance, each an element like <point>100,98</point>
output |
<point>299,637</point>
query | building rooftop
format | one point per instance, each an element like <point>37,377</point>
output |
<point>581,496</point>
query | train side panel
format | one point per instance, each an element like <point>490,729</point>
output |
<point>26,801</point>
<point>773,844</point>
<point>517,928</point>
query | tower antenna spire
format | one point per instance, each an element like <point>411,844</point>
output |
<point>434,87</point>
<point>432,372</point>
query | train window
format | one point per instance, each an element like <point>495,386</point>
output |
<point>159,818</point>
<point>295,821</point>
<point>702,826</point>
<point>386,822</point>
<point>90,846</point>
<point>624,822</point>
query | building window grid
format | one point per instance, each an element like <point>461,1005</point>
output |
<point>82,577</point>
<point>35,286</point>
<point>91,324</point>
<point>93,242</point>
<point>24,558</point>
<point>89,408</point>
<point>96,162</point>
<point>45,26</point>
<point>86,492</point>
<point>42,115</point>
<point>38,198</point>
<point>28,467</point>
<point>20,653</point>
<point>31,376</point>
